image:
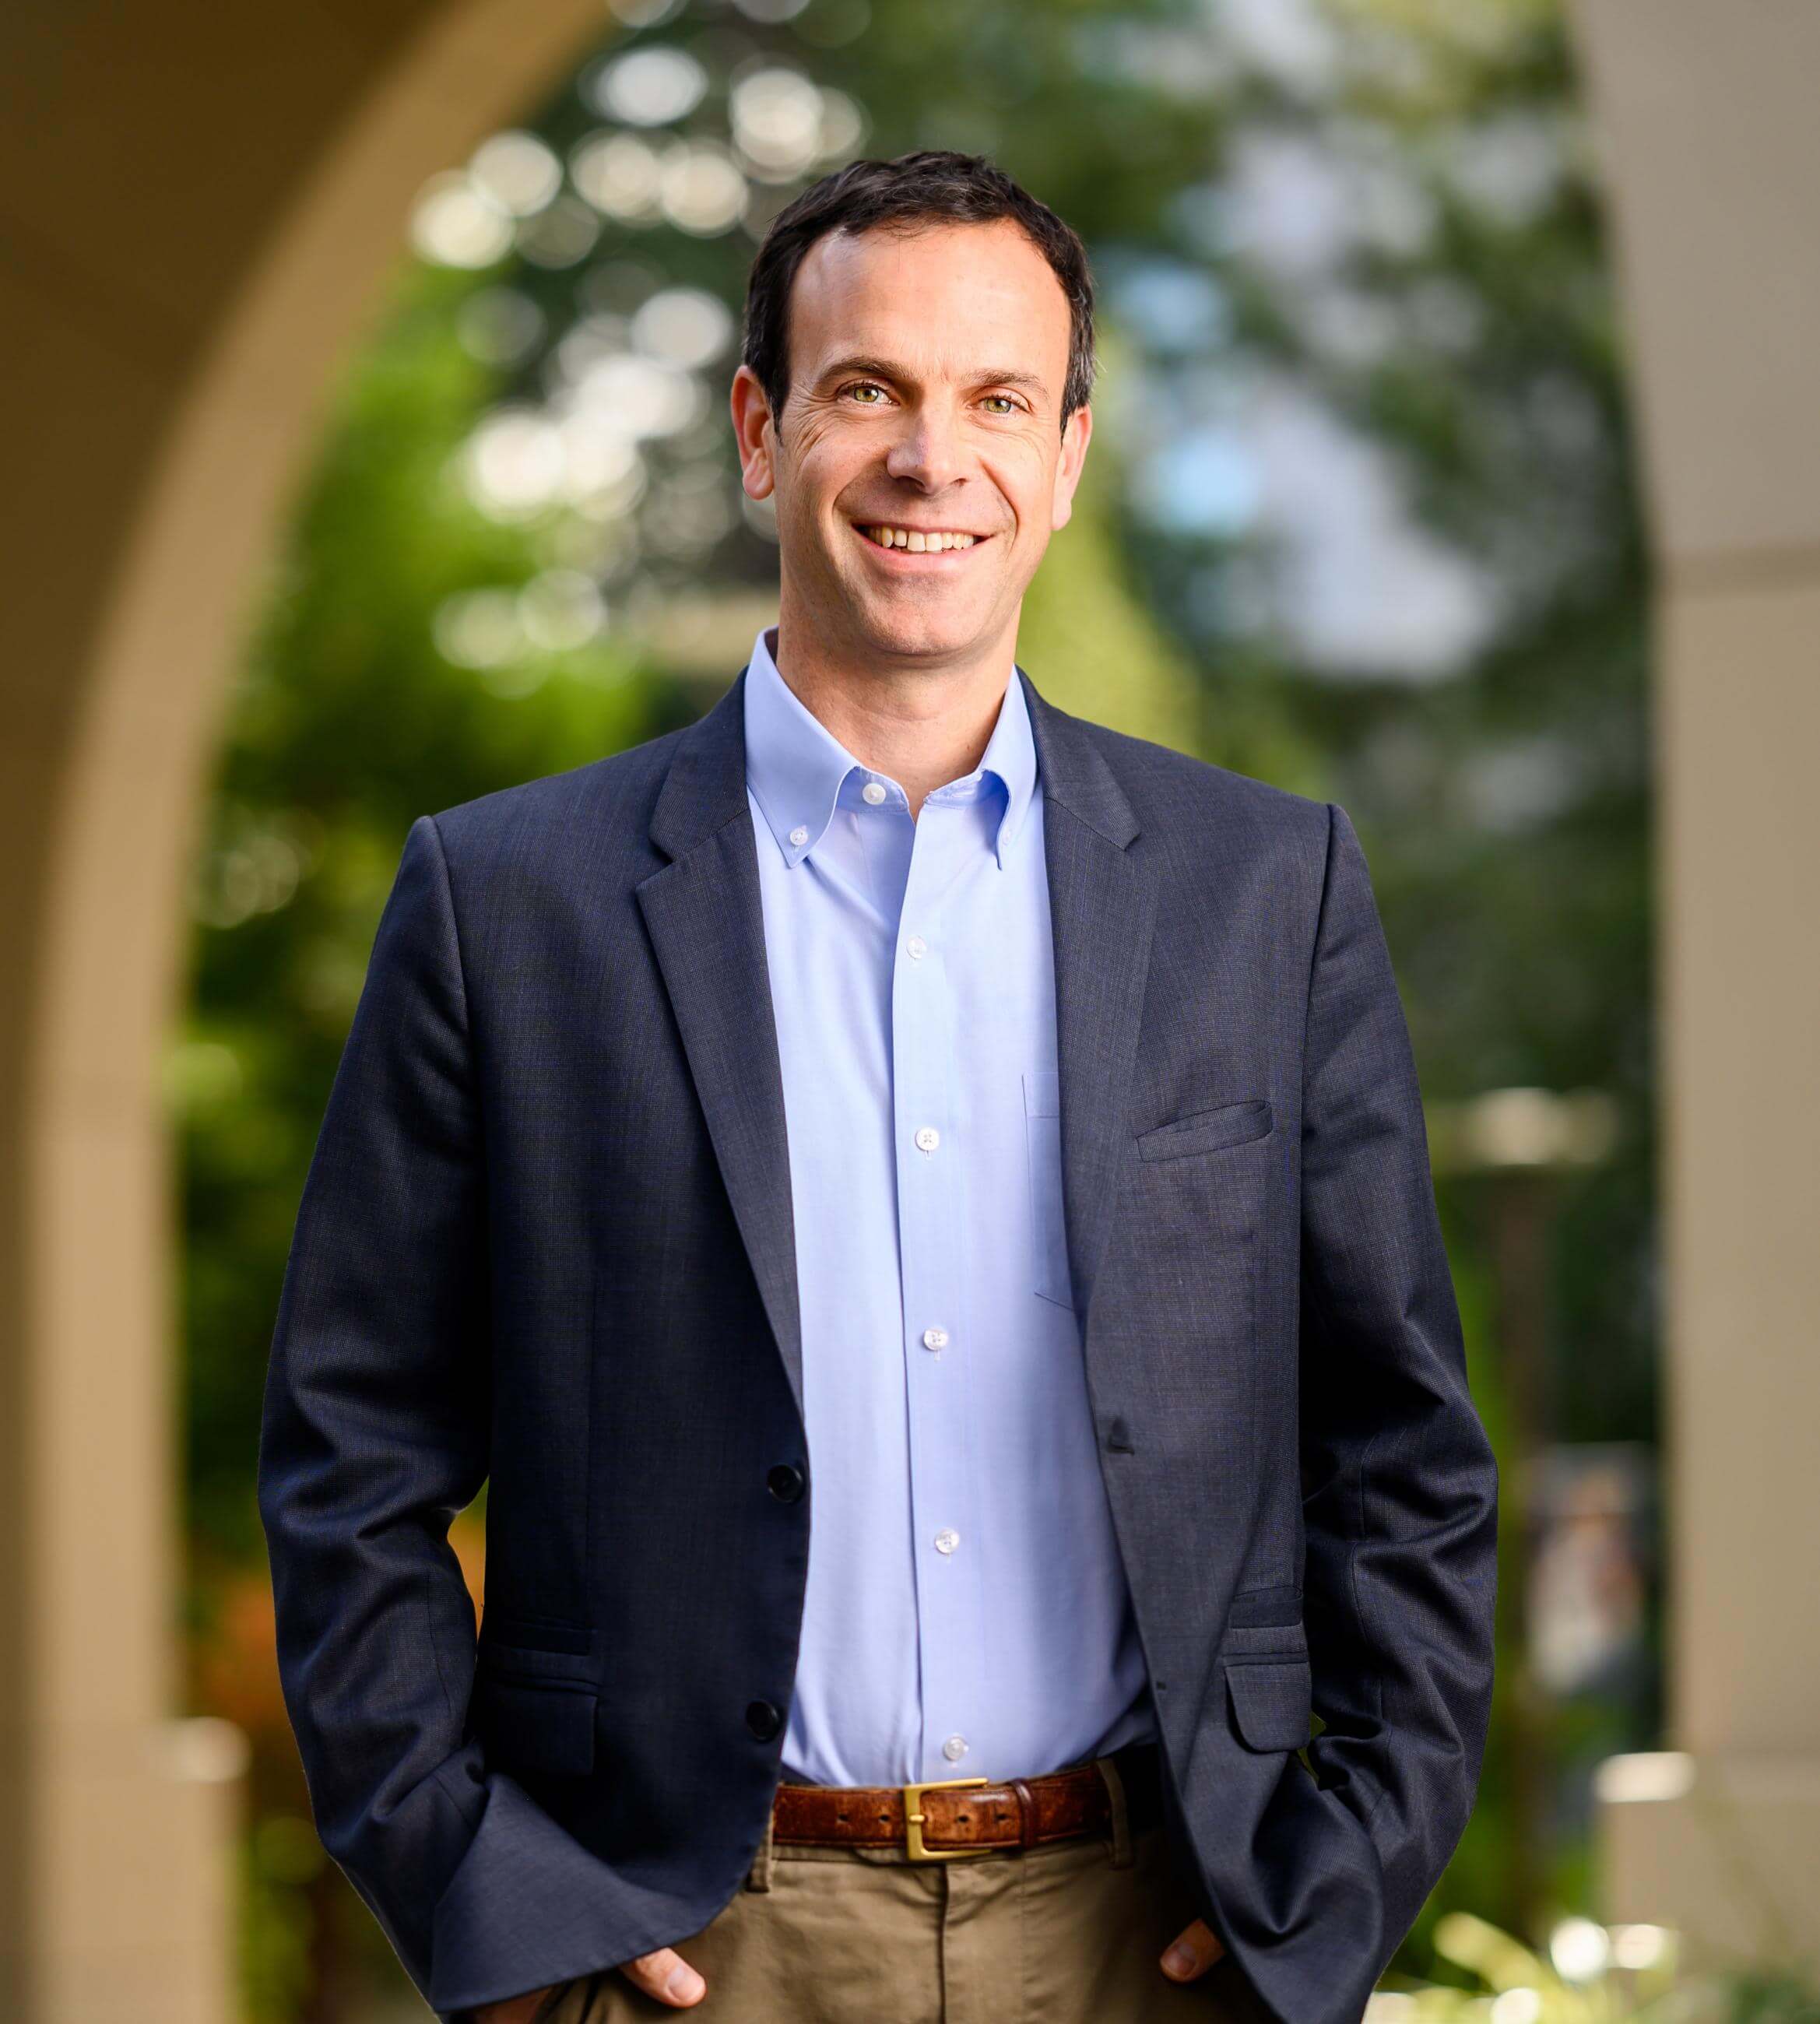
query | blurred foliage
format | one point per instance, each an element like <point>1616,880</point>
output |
<point>1373,220</point>
<point>1591,1973</point>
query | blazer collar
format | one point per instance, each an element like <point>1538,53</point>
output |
<point>706,787</point>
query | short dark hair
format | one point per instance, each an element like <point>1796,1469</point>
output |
<point>932,186</point>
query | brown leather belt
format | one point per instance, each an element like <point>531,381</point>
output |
<point>938,1820</point>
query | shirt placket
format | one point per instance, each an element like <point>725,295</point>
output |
<point>931,1196</point>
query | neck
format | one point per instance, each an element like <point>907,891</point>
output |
<point>923,720</point>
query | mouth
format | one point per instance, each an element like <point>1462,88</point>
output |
<point>919,548</point>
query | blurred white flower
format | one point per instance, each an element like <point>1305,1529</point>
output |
<point>701,188</point>
<point>618,174</point>
<point>684,326</point>
<point>777,121</point>
<point>517,170</point>
<point>455,224</point>
<point>649,87</point>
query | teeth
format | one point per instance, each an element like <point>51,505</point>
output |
<point>916,542</point>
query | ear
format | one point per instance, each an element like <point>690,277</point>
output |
<point>1074,440</point>
<point>754,435</point>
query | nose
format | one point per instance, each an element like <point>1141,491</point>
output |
<point>927,451</point>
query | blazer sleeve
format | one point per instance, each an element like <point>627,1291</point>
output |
<point>1398,1481</point>
<point>375,1434</point>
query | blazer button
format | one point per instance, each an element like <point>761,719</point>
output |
<point>785,1481</point>
<point>763,1720</point>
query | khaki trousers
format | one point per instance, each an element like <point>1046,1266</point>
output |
<point>1068,1933</point>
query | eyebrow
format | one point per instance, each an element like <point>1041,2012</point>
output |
<point>888,369</point>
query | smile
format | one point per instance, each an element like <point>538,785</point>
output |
<point>918,540</point>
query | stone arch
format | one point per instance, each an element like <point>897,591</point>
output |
<point>216,200</point>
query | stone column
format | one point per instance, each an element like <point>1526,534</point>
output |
<point>1704,119</point>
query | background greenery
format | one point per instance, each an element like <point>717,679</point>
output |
<point>1364,232</point>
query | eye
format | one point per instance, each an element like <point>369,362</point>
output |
<point>864,386</point>
<point>1011,406</point>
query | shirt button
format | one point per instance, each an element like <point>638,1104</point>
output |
<point>954,1748</point>
<point>946,1540</point>
<point>928,1137</point>
<point>935,1338</point>
<point>917,946</point>
<point>799,834</point>
<point>763,1720</point>
<point>874,792</point>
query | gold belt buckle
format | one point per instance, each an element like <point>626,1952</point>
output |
<point>913,1818</point>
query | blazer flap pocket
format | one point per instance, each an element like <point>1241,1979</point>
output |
<point>534,1634</point>
<point>533,1664</point>
<point>1273,1701</point>
<point>534,1726</point>
<point>1204,1131</point>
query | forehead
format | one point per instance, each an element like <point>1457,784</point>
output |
<point>944,299</point>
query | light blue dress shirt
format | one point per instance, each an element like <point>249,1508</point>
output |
<point>966,1612</point>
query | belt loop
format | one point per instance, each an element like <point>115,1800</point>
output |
<point>1121,1852</point>
<point>758,1876</point>
<point>1026,1814</point>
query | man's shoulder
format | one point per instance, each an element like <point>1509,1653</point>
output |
<point>1170,787</point>
<point>612,798</point>
<point>609,796</point>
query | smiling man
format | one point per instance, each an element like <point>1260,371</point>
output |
<point>917,1207</point>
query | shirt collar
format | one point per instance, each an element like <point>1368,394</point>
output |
<point>795,766</point>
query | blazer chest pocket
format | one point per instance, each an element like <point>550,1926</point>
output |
<point>1273,1701</point>
<point>1043,1148</point>
<point>1207,1130</point>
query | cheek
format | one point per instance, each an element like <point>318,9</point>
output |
<point>1026,476</point>
<point>809,437</point>
<point>826,469</point>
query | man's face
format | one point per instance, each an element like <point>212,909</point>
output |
<point>925,380</point>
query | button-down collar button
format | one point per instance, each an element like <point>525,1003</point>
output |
<point>954,1748</point>
<point>947,1539</point>
<point>763,1720</point>
<point>799,835</point>
<point>928,1139</point>
<point>785,1482</point>
<point>935,1338</point>
<point>874,791</point>
<point>917,946</point>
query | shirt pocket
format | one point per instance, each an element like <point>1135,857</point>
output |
<point>1043,1149</point>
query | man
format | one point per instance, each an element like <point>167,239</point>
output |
<point>917,1207</point>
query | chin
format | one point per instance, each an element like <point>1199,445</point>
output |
<point>932,633</point>
<point>923,646</point>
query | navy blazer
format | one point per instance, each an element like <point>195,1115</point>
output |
<point>546,1245</point>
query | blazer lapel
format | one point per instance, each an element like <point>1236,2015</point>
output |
<point>706,919</point>
<point>1101,910</point>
